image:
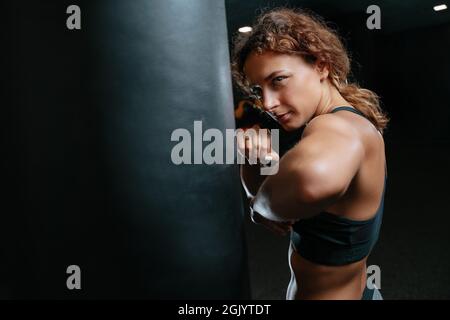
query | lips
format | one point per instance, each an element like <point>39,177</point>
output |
<point>284,117</point>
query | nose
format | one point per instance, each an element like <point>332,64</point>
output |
<point>269,101</point>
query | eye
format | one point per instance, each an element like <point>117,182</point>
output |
<point>278,80</point>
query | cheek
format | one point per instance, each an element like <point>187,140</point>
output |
<point>306,94</point>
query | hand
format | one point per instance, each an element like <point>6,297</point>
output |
<point>279,228</point>
<point>257,148</point>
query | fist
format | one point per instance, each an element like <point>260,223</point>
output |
<point>255,145</point>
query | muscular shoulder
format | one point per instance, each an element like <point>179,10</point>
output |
<point>331,125</point>
<point>329,154</point>
<point>333,133</point>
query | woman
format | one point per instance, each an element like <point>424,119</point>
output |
<point>329,190</point>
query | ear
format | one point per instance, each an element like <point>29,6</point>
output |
<point>322,69</point>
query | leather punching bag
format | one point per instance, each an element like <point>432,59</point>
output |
<point>89,117</point>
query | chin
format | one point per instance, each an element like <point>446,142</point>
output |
<point>288,127</point>
<point>292,125</point>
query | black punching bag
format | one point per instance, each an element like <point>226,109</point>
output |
<point>88,117</point>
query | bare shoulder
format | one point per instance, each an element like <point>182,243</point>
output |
<point>330,124</point>
<point>346,127</point>
<point>332,131</point>
<point>328,156</point>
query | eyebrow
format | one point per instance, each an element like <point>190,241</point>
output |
<point>270,76</point>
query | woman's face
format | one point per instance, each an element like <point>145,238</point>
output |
<point>291,89</point>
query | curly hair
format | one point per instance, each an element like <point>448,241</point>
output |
<point>296,32</point>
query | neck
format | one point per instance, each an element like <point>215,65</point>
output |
<point>330,99</point>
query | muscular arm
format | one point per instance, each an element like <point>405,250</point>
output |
<point>314,174</point>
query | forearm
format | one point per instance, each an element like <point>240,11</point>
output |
<point>251,179</point>
<point>288,196</point>
<point>278,200</point>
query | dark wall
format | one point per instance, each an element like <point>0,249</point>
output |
<point>409,70</point>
